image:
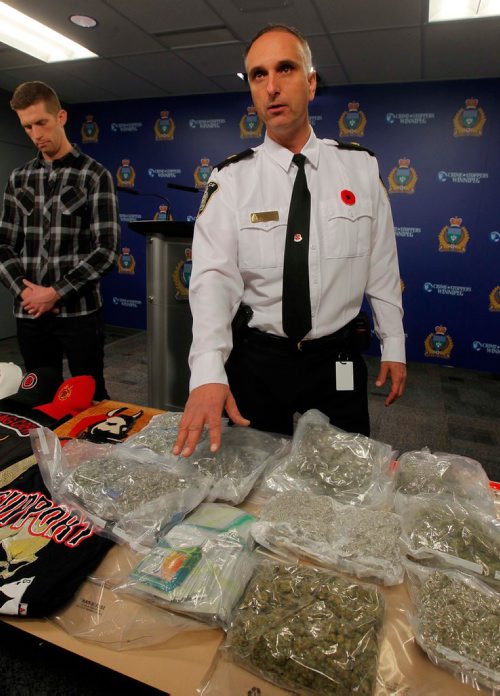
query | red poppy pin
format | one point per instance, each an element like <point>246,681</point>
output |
<point>348,197</point>
<point>297,237</point>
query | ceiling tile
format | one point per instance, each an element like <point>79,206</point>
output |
<point>113,35</point>
<point>168,15</point>
<point>453,51</point>
<point>380,56</point>
<point>169,72</point>
<point>70,88</point>
<point>212,61</point>
<point>322,50</point>
<point>297,13</point>
<point>12,58</point>
<point>201,37</point>
<point>118,82</point>
<point>355,15</point>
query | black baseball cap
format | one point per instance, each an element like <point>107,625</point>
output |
<point>38,387</point>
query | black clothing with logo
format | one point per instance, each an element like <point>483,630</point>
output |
<point>46,549</point>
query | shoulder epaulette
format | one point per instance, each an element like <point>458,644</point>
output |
<point>354,146</point>
<point>235,158</point>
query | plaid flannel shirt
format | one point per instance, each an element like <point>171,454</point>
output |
<point>60,228</point>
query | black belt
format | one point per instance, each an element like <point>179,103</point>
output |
<point>336,341</point>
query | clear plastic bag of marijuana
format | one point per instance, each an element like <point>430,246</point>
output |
<point>130,496</point>
<point>438,474</point>
<point>456,621</point>
<point>352,468</point>
<point>238,463</point>
<point>159,434</point>
<point>352,539</point>
<point>307,630</point>
<point>200,567</point>
<point>444,533</point>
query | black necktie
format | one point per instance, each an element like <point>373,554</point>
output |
<point>296,298</point>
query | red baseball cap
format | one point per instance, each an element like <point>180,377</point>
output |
<point>73,396</point>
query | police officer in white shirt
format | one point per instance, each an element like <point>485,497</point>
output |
<point>238,252</point>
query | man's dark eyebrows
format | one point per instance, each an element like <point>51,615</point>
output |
<point>288,61</point>
<point>255,70</point>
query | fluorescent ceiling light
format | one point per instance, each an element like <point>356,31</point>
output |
<point>444,10</point>
<point>29,36</point>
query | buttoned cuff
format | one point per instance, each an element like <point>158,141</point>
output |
<point>207,368</point>
<point>393,349</point>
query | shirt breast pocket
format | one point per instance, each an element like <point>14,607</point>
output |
<point>73,201</point>
<point>25,201</point>
<point>261,243</point>
<point>347,228</point>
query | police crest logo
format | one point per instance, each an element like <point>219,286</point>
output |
<point>125,174</point>
<point>182,275</point>
<point>454,237</point>
<point>250,124</point>
<point>438,344</point>
<point>403,178</point>
<point>495,299</point>
<point>352,121</point>
<point>164,127</point>
<point>202,173</point>
<point>89,130</point>
<point>469,120</point>
<point>126,262</point>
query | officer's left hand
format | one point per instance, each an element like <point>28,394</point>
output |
<point>397,372</point>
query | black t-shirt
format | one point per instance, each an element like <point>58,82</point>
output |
<point>15,425</point>
<point>46,550</point>
<point>16,420</point>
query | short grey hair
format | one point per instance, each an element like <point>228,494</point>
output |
<point>288,30</point>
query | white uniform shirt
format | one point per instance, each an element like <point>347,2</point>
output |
<point>239,244</point>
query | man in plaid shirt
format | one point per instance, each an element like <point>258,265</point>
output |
<point>59,233</point>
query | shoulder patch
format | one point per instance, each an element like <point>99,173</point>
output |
<point>354,146</point>
<point>235,158</point>
<point>212,187</point>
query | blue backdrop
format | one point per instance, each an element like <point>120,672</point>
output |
<point>438,147</point>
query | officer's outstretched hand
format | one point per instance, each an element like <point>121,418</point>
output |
<point>397,372</point>
<point>205,406</point>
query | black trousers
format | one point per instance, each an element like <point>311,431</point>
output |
<point>271,380</point>
<point>44,342</point>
